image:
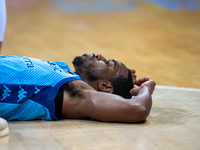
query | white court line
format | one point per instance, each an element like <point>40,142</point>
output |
<point>177,88</point>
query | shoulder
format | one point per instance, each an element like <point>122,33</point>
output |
<point>76,88</point>
<point>75,95</point>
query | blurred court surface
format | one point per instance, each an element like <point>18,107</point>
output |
<point>159,39</point>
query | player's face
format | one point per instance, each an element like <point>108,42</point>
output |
<point>93,67</point>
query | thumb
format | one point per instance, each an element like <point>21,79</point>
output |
<point>134,91</point>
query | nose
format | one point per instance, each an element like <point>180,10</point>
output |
<point>100,57</point>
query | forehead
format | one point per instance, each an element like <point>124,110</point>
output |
<point>109,72</point>
<point>122,69</point>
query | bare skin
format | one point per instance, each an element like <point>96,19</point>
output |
<point>109,107</point>
<point>102,105</point>
<point>104,69</point>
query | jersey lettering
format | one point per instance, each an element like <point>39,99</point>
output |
<point>54,66</point>
<point>28,62</point>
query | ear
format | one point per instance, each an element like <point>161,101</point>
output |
<point>105,86</point>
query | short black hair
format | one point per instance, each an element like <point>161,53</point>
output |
<point>123,85</point>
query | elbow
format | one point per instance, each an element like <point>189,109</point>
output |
<point>140,114</point>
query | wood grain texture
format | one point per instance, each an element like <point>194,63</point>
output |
<point>156,42</point>
<point>172,124</point>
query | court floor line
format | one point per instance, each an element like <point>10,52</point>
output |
<point>177,88</point>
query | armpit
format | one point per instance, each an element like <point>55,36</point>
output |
<point>74,90</point>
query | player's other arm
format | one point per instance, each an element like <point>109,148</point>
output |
<point>113,108</point>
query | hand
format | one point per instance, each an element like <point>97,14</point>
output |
<point>148,82</point>
<point>133,74</point>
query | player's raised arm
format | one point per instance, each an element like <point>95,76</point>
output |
<point>110,107</point>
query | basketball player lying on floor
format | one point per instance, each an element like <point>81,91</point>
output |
<point>36,89</point>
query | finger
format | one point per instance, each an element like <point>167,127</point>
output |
<point>134,77</point>
<point>141,81</point>
<point>132,71</point>
<point>134,91</point>
<point>144,79</point>
<point>133,74</point>
<point>137,82</point>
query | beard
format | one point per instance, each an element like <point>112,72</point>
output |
<point>78,62</point>
<point>88,69</point>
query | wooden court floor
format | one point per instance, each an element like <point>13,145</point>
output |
<point>156,41</point>
<point>173,124</point>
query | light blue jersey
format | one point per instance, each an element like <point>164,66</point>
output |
<point>29,86</point>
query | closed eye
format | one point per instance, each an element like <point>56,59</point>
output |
<point>114,62</point>
<point>107,63</point>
